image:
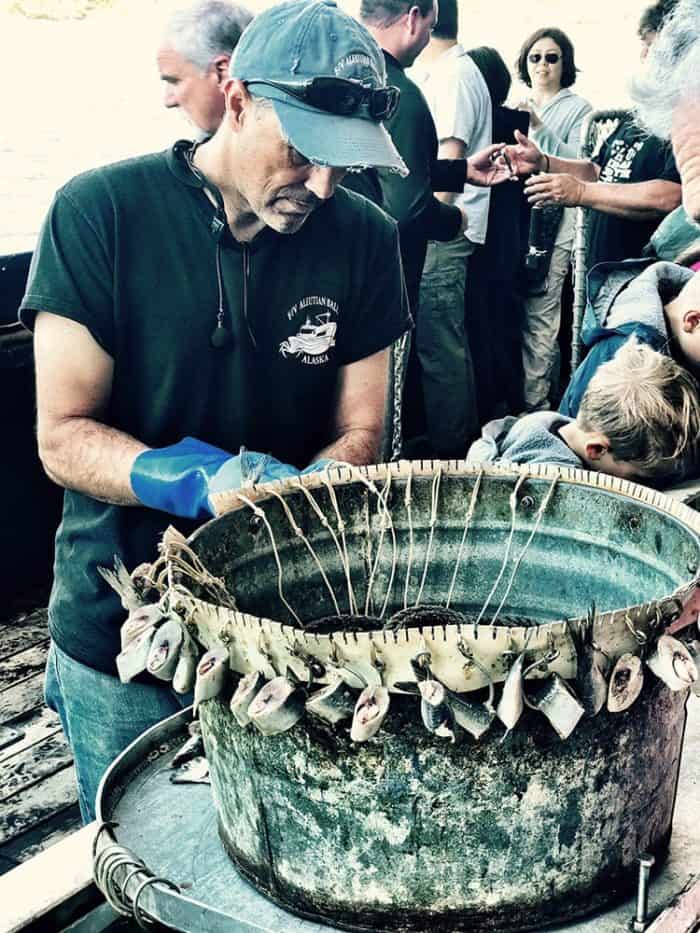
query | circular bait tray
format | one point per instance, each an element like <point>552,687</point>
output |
<point>172,828</point>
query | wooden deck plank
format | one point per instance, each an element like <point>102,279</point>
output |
<point>34,764</point>
<point>44,883</point>
<point>23,664</point>
<point>38,725</point>
<point>54,829</point>
<point>22,632</point>
<point>22,698</point>
<point>34,804</point>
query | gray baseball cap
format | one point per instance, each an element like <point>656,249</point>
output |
<point>298,41</point>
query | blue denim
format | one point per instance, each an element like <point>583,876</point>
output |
<point>101,716</point>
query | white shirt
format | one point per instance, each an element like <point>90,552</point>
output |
<point>460,103</point>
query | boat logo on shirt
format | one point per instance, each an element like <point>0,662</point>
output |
<point>316,335</point>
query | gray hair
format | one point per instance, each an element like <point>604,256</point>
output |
<point>671,71</point>
<point>203,30</point>
<point>648,407</point>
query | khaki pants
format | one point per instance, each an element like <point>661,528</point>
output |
<point>540,332</point>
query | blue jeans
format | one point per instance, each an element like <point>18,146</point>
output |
<point>101,716</point>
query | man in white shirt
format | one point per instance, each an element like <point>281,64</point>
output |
<point>460,103</point>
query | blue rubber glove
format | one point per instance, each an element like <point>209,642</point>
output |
<point>180,479</point>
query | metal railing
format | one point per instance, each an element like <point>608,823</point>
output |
<point>597,126</point>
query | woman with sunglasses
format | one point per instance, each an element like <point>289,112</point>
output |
<point>546,67</point>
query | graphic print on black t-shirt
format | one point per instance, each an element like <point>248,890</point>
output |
<point>628,156</point>
<point>618,166</point>
<point>316,318</point>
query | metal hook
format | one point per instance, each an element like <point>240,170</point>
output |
<point>639,636</point>
<point>313,665</point>
<point>472,661</point>
<point>377,662</point>
<point>421,665</point>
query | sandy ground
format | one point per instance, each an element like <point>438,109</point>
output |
<point>79,93</point>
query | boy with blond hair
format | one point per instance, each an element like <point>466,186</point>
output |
<point>638,419</point>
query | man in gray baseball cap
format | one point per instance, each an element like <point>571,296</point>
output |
<point>326,78</point>
<point>194,301</point>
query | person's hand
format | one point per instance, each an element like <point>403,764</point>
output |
<point>524,157</point>
<point>488,167</point>
<point>527,106</point>
<point>181,479</point>
<point>561,189</point>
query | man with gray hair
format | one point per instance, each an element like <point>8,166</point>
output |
<point>667,94</point>
<point>188,302</point>
<point>193,59</point>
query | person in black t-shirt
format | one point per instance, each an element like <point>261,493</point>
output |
<point>631,186</point>
<point>403,30</point>
<point>190,302</point>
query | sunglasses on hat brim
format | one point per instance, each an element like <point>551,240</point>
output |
<point>550,57</point>
<point>343,97</point>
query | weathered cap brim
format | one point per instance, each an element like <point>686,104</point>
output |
<point>340,142</point>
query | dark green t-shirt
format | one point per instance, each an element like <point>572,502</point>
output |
<point>129,251</point>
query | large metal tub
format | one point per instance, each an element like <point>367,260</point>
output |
<point>407,831</point>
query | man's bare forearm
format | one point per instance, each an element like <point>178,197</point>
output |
<point>87,456</point>
<point>641,201</point>
<point>358,446</point>
<point>583,169</point>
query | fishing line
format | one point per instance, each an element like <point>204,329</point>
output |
<point>467,523</point>
<point>261,514</point>
<point>540,516</point>
<point>434,494</point>
<point>300,534</point>
<point>513,500</point>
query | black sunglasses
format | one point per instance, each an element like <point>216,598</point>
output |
<point>550,57</point>
<point>342,96</point>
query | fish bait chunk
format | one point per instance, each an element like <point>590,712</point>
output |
<point>192,748</point>
<point>243,696</point>
<point>194,771</point>
<point>672,662</point>
<point>133,659</point>
<point>277,707</point>
<point>510,706</point>
<point>186,670</point>
<point>475,718</point>
<point>138,621</point>
<point>435,710</point>
<point>626,682</point>
<point>370,711</point>
<point>211,675</point>
<point>554,699</point>
<point>165,650</point>
<point>332,703</point>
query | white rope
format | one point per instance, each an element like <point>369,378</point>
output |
<point>467,523</point>
<point>513,499</point>
<point>300,534</point>
<point>327,525</point>
<point>325,479</point>
<point>434,495</point>
<point>261,515</point>
<point>538,520</point>
<point>408,500</point>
